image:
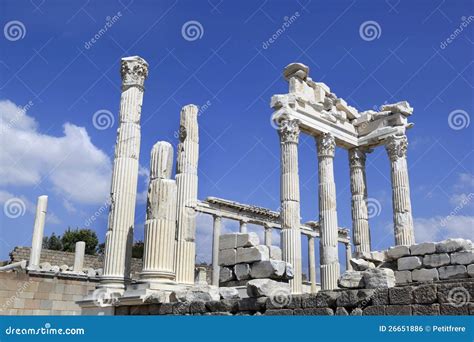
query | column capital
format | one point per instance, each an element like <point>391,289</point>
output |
<point>396,146</point>
<point>357,157</point>
<point>217,216</point>
<point>289,131</point>
<point>134,71</point>
<point>326,145</point>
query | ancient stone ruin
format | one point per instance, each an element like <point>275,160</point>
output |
<point>250,277</point>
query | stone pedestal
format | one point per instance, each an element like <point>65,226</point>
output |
<point>215,250</point>
<point>360,217</point>
<point>187,184</point>
<point>290,200</point>
<point>326,146</point>
<point>396,147</point>
<point>38,230</point>
<point>119,237</point>
<point>79,253</point>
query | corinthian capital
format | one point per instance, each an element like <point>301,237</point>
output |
<point>396,146</point>
<point>357,157</point>
<point>289,131</point>
<point>326,145</point>
<point>134,71</point>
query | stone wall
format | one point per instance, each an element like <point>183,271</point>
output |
<point>440,298</point>
<point>25,294</point>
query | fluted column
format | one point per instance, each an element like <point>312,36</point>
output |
<point>312,263</point>
<point>348,256</point>
<point>160,224</point>
<point>38,230</point>
<point>360,217</point>
<point>326,146</point>
<point>215,249</point>
<point>396,147</point>
<point>187,183</point>
<point>119,237</point>
<point>243,226</point>
<point>268,235</point>
<point>290,200</point>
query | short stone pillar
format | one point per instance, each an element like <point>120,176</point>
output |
<point>123,193</point>
<point>243,226</point>
<point>326,146</point>
<point>38,230</point>
<point>79,253</point>
<point>360,216</point>
<point>396,146</point>
<point>268,235</point>
<point>312,263</point>
<point>290,200</point>
<point>215,249</point>
<point>348,256</point>
<point>160,224</point>
<point>201,277</point>
<point>187,184</point>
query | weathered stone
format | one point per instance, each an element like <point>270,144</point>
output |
<point>470,270</point>
<point>242,271</point>
<point>457,293</point>
<point>279,312</point>
<point>398,310</point>
<point>401,295</point>
<point>227,257</point>
<point>424,275</point>
<point>340,311</point>
<point>266,287</point>
<point>274,269</point>
<point>403,277</point>
<point>351,280</point>
<point>55,269</point>
<point>361,264</point>
<point>314,312</point>
<point>229,293</point>
<point>379,278</point>
<point>398,252</point>
<point>289,271</point>
<point>452,310</point>
<point>462,258</point>
<point>225,305</point>
<point>402,107</point>
<point>425,310</point>
<point>357,312</point>
<point>197,308</point>
<point>286,301</point>
<point>252,304</point>
<point>452,272</point>
<point>377,257</point>
<point>424,294</point>
<point>453,245</point>
<point>45,266</point>
<point>275,253</point>
<point>374,310</point>
<point>236,240</point>
<point>322,299</point>
<point>409,263</point>
<point>199,293</point>
<point>354,298</point>
<point>436,260</point>
<point>423,248</point>
<point>226,274</point>
<point>253,254</point>
<point>63,268</point>
<point>380,297</point>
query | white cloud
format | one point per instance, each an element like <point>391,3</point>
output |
<point>71,163</point>
<point>439,228</point>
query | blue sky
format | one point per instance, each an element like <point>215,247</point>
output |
<point>53,147</point>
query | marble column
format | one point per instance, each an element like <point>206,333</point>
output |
<point>268,235</point>
<point>215,249</point>
<point>38,230</point>
<point>396,147</point>
<point>79,253</point>
<point>290,200</point>
<point>326,146</point>
<point>119,236</point>
<point>348,257</point>
<point>243,226</point>
<point>312,263</point>
<point>360,217</point>
<point>160,224</point>
<point>187,183</point>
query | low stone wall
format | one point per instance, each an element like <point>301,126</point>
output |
<point>440,298</point>
<point>26,294</point>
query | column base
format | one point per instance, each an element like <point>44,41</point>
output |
<point>185,262</point>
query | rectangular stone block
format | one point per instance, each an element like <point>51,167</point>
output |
<point>462,258</point>
<point>401,295</point>
<point>274,269</point>
<point>457,292</point>
<point>470,270</point>
<point>425,294</point>
<point>425,274</point>
<point>453,245</point>
<point>236,240</point>
<point>374,310</point>
<point>279,312</point>
<point>403,277</point>
<point>453,310</point>
<point>423,248</point>
<point>398,310</point>
<point>452,272</point>
<point>408,263</point>
<point>252,254</point>
<point>242,271</point>
<point>436,260</point>
<point>397,252</point>
<point>314,312</point>
<point>425,310</point>
<point>227,257</point>
<point>275,253</point>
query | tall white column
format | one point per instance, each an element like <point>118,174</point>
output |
<point>79,252</point>
<point>402,215</point>
<point>119,237</point>
<point>160,224</point>
<point>290,200</point>
<point>268,235</point>
<point>360,217</point>
<point>326,146</point>
<point>187,183</point>
<point>312,263</point>
<point>38,230</point>
<point>243,226</point>
<point>348,256</point>
<point>215,249</point>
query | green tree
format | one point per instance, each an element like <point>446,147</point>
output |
<point>53,242</point>
<point>137,249</point>
<point>71,236</point>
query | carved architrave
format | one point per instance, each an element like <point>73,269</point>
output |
<point>289,131</point>
<point>134,71</point>
<point>326,145</point>
<point>396,146</point>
